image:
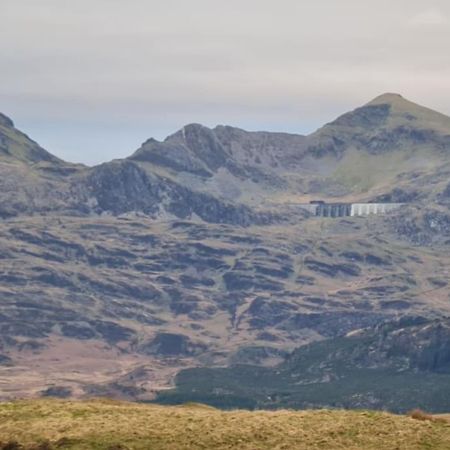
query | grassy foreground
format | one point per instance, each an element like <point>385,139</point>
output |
<point>104,424</point>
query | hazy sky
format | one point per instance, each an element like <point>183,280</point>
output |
<point>92,79</point>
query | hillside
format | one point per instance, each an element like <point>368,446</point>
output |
<point>194,252</point>
<point>139,294</point>
<point>396,366</point>
<point>112,425</point>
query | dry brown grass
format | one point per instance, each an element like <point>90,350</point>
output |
<point>104,424</point>
<point>418,414</point>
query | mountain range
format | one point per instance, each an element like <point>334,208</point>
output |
<point>194,253</point>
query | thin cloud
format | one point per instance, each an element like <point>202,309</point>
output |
<point>429,18</point>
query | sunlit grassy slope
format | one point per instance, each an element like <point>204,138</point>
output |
<point>111,425</point>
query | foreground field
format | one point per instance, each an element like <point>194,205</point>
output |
<point>102,424</point>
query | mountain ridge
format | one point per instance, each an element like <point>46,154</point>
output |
<point>196,251</point>
<point>393,100</point>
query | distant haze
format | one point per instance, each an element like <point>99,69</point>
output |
<point>92,79</point>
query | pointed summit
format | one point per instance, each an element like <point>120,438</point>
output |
<point>390,111</point>
<point>397,103</point>
<point>403,110</point>
<point>387,98</point>
<point>385,125</point>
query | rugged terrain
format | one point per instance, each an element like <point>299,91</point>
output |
<point>194,252</point>
<point>394,366</point>
<point>94,424</point>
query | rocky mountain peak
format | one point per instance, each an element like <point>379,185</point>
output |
<point>191,134</point>
<point>150,141</point>
<point>5,121</point>
<point>194,148</point>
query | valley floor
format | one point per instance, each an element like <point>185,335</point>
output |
<point>104,424</point>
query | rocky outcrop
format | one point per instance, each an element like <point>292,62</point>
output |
<point>124,187</point>
<point>171,344</point>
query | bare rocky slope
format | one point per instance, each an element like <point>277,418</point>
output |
<point>193,251</point>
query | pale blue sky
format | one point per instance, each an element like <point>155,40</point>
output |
<point>92,79</point>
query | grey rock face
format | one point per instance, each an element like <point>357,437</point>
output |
<point>193,149</point>
<point>172,155</point>
<point>6,121</point>
<point>123,187</point>
<point>368,116</point>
